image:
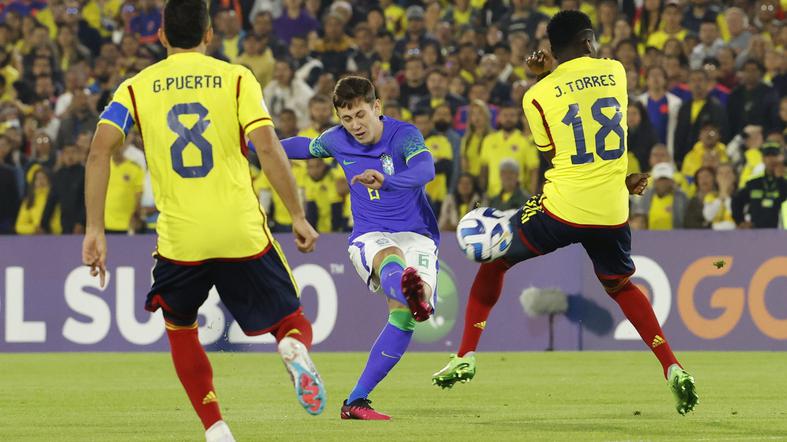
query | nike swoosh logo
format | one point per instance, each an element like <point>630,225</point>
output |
<point>347,163</point>
<point>389,356</point>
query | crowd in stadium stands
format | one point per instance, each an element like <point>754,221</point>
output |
<point>706,116</point>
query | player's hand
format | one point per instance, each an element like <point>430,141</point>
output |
<point>94,254</point>
<point>637,182</point>
<point>370,178</point>
<point>539,62</point>
<point>305,235</point>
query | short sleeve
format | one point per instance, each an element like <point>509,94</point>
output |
<point>539,127</point>
<point>409,142</point>
<point>119,111</point>
<point>252,111</point>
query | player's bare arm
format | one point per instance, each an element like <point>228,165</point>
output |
<point>277,169</point>
<point>94,246</point>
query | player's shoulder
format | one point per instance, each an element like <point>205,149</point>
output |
<point>399,128</point>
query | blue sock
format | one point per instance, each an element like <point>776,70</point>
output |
<point>386,352</point>
<point>391,278</point>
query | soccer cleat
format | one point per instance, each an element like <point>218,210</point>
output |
<point>361,409</point>
<point>413,291</point>
<point>682,385</point>
<point>219,432</point>
<point>459,369</point>
<point>308,385</point>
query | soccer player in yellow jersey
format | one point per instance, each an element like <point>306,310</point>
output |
<point>577,114</point>
<point>193,113</point>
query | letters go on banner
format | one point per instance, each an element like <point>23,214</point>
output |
<point>710,291</point>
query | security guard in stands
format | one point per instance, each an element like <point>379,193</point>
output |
<point>758,204</point>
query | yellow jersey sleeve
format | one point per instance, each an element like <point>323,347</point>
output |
<point>252,112</point>
<point>119,113</point>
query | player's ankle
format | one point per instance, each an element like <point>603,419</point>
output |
<point>219,432</point>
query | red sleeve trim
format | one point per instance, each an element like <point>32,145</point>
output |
<point>136,114</point>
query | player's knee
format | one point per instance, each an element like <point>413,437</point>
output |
<point>402,319</point>
<point>386,252</point>
<point>615,285</point>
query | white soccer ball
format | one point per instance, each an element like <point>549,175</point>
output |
<point>484,234</point>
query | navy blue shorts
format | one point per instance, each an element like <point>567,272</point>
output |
<point>259,292</point>
<point>538,232</point>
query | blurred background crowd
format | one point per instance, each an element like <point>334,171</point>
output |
<point>707,106</point>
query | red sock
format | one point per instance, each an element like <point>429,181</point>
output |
<point>487,286</point>
<point>295,325</point>
<point>194,371</point>
<point>637,308</point>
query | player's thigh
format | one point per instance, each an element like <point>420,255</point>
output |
<point>179,290</point>
<point>259,293</point>
<point>536,233</point>
<point>420,252</point>
<point>363,251</point>
<point>610,251</point>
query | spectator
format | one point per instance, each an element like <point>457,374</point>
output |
<point>323,203</point>
<point>705,180</point>
<point>478,127</point>
<point>507,143</point>
<point>671,26</point>
<point>701,109</point>
<point>415,36</point>
<point>389,60</point>
<point>146,22</point>
<point>307,68</point>
<point>738,29</point>
<point>70,49</point>
<point>758,203</point>
<point>287,124</point>
<point>437,84</point>
<point>468,62</point>
<point>523,17</point>
<point>67,194</point>
<point>41,151</point>
<point>294,21</point>
<point>647,19</point>
<point>262,27</point>
<point>489,72</point>
<point>698,13</point>
<point>335,48</point>
<point>662,106</point>
<point>9,197</point>
<point>232,35</point>
<point>413,89</point>
<point>362,58</point>
<point>717,209</point>
<point>641,135</point>
<point>464,199</point>
<point>32,208</point>
<point>79,116</point>
<point>442,154</point>
<point>664,204</point>
<point>258,59</point>
<point>753,102</point>
<point>660,154</point>
<point>320,116</point>
<point>442,125</point>
<point>746,151</point>
<point>709,44</point>
<point>511,196</point>
<point>288,91</point>
<point>126,179</point>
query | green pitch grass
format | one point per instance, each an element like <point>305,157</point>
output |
<point>515,396</point>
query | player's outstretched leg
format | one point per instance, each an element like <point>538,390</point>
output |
<point>196,374</point>
<point>486,290</point>
<point>386,352</point>
<point>294,335</point>
<point>639,312</point>
<point>415,293</point>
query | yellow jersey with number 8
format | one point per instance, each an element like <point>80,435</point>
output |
<point>192,111</point>
<point>579,110</point>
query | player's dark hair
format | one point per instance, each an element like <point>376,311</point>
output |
<point>564,27</point>
<point>185,22</point>
<point>352,88</point>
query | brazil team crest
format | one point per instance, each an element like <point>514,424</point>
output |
<point>388,166</point>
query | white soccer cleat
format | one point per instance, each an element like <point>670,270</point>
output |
<point>308,385</point>
<point>219,432</point>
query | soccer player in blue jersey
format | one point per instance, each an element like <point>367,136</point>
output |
<point>394,241</point>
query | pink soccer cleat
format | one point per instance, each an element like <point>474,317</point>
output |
<point>413,291</point>
<point>361,409</point>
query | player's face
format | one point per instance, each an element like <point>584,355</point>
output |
<point>362,120</point>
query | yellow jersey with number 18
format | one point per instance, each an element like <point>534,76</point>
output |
<point>192,111</point>
<point>579,110</point>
